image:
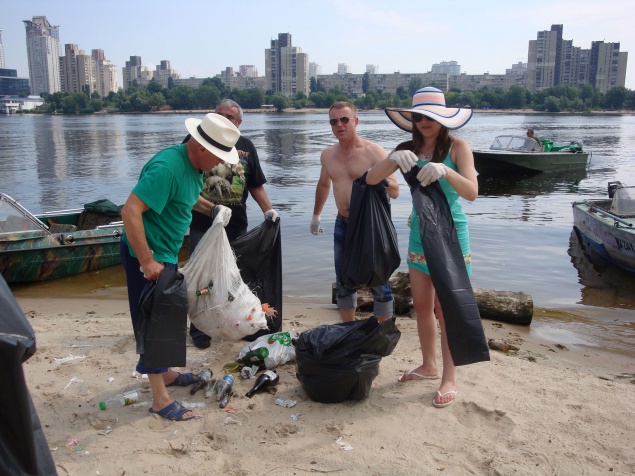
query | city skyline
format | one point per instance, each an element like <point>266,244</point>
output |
<point>479,37</point>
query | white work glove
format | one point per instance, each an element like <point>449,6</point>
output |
<point>315,225</point>
<point>405,159</point>
<point>271,215</point>
<point>431,172</point>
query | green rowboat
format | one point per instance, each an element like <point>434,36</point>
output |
<point>55,244</point>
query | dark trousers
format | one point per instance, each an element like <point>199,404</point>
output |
<point>136,284</point>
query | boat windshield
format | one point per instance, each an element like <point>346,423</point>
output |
<point>623,203</point>
<point>12,220</point>
<point>516,144</point>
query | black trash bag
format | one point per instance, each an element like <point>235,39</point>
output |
<point>340,361</point>
<point>162,320</point>
<point>371,251</point>
<point>259,259</point>
<point>446,264</point>
<point>23,446</point>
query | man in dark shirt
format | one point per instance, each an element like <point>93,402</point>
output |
<point>229,185</point>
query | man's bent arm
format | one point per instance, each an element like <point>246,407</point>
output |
<point>131,214</point>
<point>203,206</point>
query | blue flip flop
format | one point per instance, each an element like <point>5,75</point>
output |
<point>174,412</point>
<point>183,380</point>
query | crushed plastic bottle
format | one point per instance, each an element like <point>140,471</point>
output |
<point>285,402</point>
<point>193,405</point>
<point>210,388</point>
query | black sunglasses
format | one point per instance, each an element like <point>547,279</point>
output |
<point>415,117</point>
<point>343,120</point>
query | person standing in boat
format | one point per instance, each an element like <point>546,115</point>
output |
<point>156,217</point>
<point>450,161</point>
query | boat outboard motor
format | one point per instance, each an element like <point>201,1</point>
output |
<point>612,187</point>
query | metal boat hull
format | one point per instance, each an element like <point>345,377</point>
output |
<point>497,162</point>
<point>33,256</point>
<point>615,243</point>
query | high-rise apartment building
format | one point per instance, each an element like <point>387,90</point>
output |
<point>248,71</point>
<point>544,59</point>
<point>1,51</point>
<point>553,61</point>
<point>77,70</point>
<point>134,71</point>
<point>447,67</point>
<point>106,77</point>
<point>286,67</point>
<point>314,70</point>
<point>164,72</point>
<point>343,68</point>
<point>607,67</point>
<point>372,69</point>
<point>43,52</point>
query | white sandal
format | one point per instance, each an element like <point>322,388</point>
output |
<point>446,404</point>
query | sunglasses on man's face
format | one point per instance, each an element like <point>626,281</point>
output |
<point>343,120</point>
<point>415,117</point>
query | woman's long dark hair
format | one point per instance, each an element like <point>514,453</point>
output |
<point>441,148</point>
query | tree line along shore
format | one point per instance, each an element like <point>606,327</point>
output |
<point>156,98</point>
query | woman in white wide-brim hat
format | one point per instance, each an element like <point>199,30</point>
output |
<point>449,161</point>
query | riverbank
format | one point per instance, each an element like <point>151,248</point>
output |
<point>543,410</point>
<point>477,111</point>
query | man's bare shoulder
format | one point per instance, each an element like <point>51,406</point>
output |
<point>373,149</point>
<point>331,151</point>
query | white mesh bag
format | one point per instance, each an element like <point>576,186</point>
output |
<point>226,307</point>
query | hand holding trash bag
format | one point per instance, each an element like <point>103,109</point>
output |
<point>439,254</point>
<point>405,159</point>
<point>271,215</point>
<point>432,172</point>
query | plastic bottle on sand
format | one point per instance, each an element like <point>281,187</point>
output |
<point>224,387</point>
<point>122,399</point>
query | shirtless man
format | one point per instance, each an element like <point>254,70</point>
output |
<point>342,163</point>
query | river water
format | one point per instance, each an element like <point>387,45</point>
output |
<point>521,228</point>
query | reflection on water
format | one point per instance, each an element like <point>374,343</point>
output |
<point>603,283</point>
<point>532,185</point>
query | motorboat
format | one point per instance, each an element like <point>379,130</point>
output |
<point>55,244</point>
<point>518,154</point>
<point>607,225</point>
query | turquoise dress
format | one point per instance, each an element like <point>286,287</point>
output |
<point>416,256</point>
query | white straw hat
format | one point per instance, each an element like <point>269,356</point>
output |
<point>217,134</point>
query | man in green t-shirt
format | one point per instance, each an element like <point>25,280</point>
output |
<point>156,217</point>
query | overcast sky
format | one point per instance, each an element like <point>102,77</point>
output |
<point>202,37</point>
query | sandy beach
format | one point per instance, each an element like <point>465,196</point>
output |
<point>546,409</point>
